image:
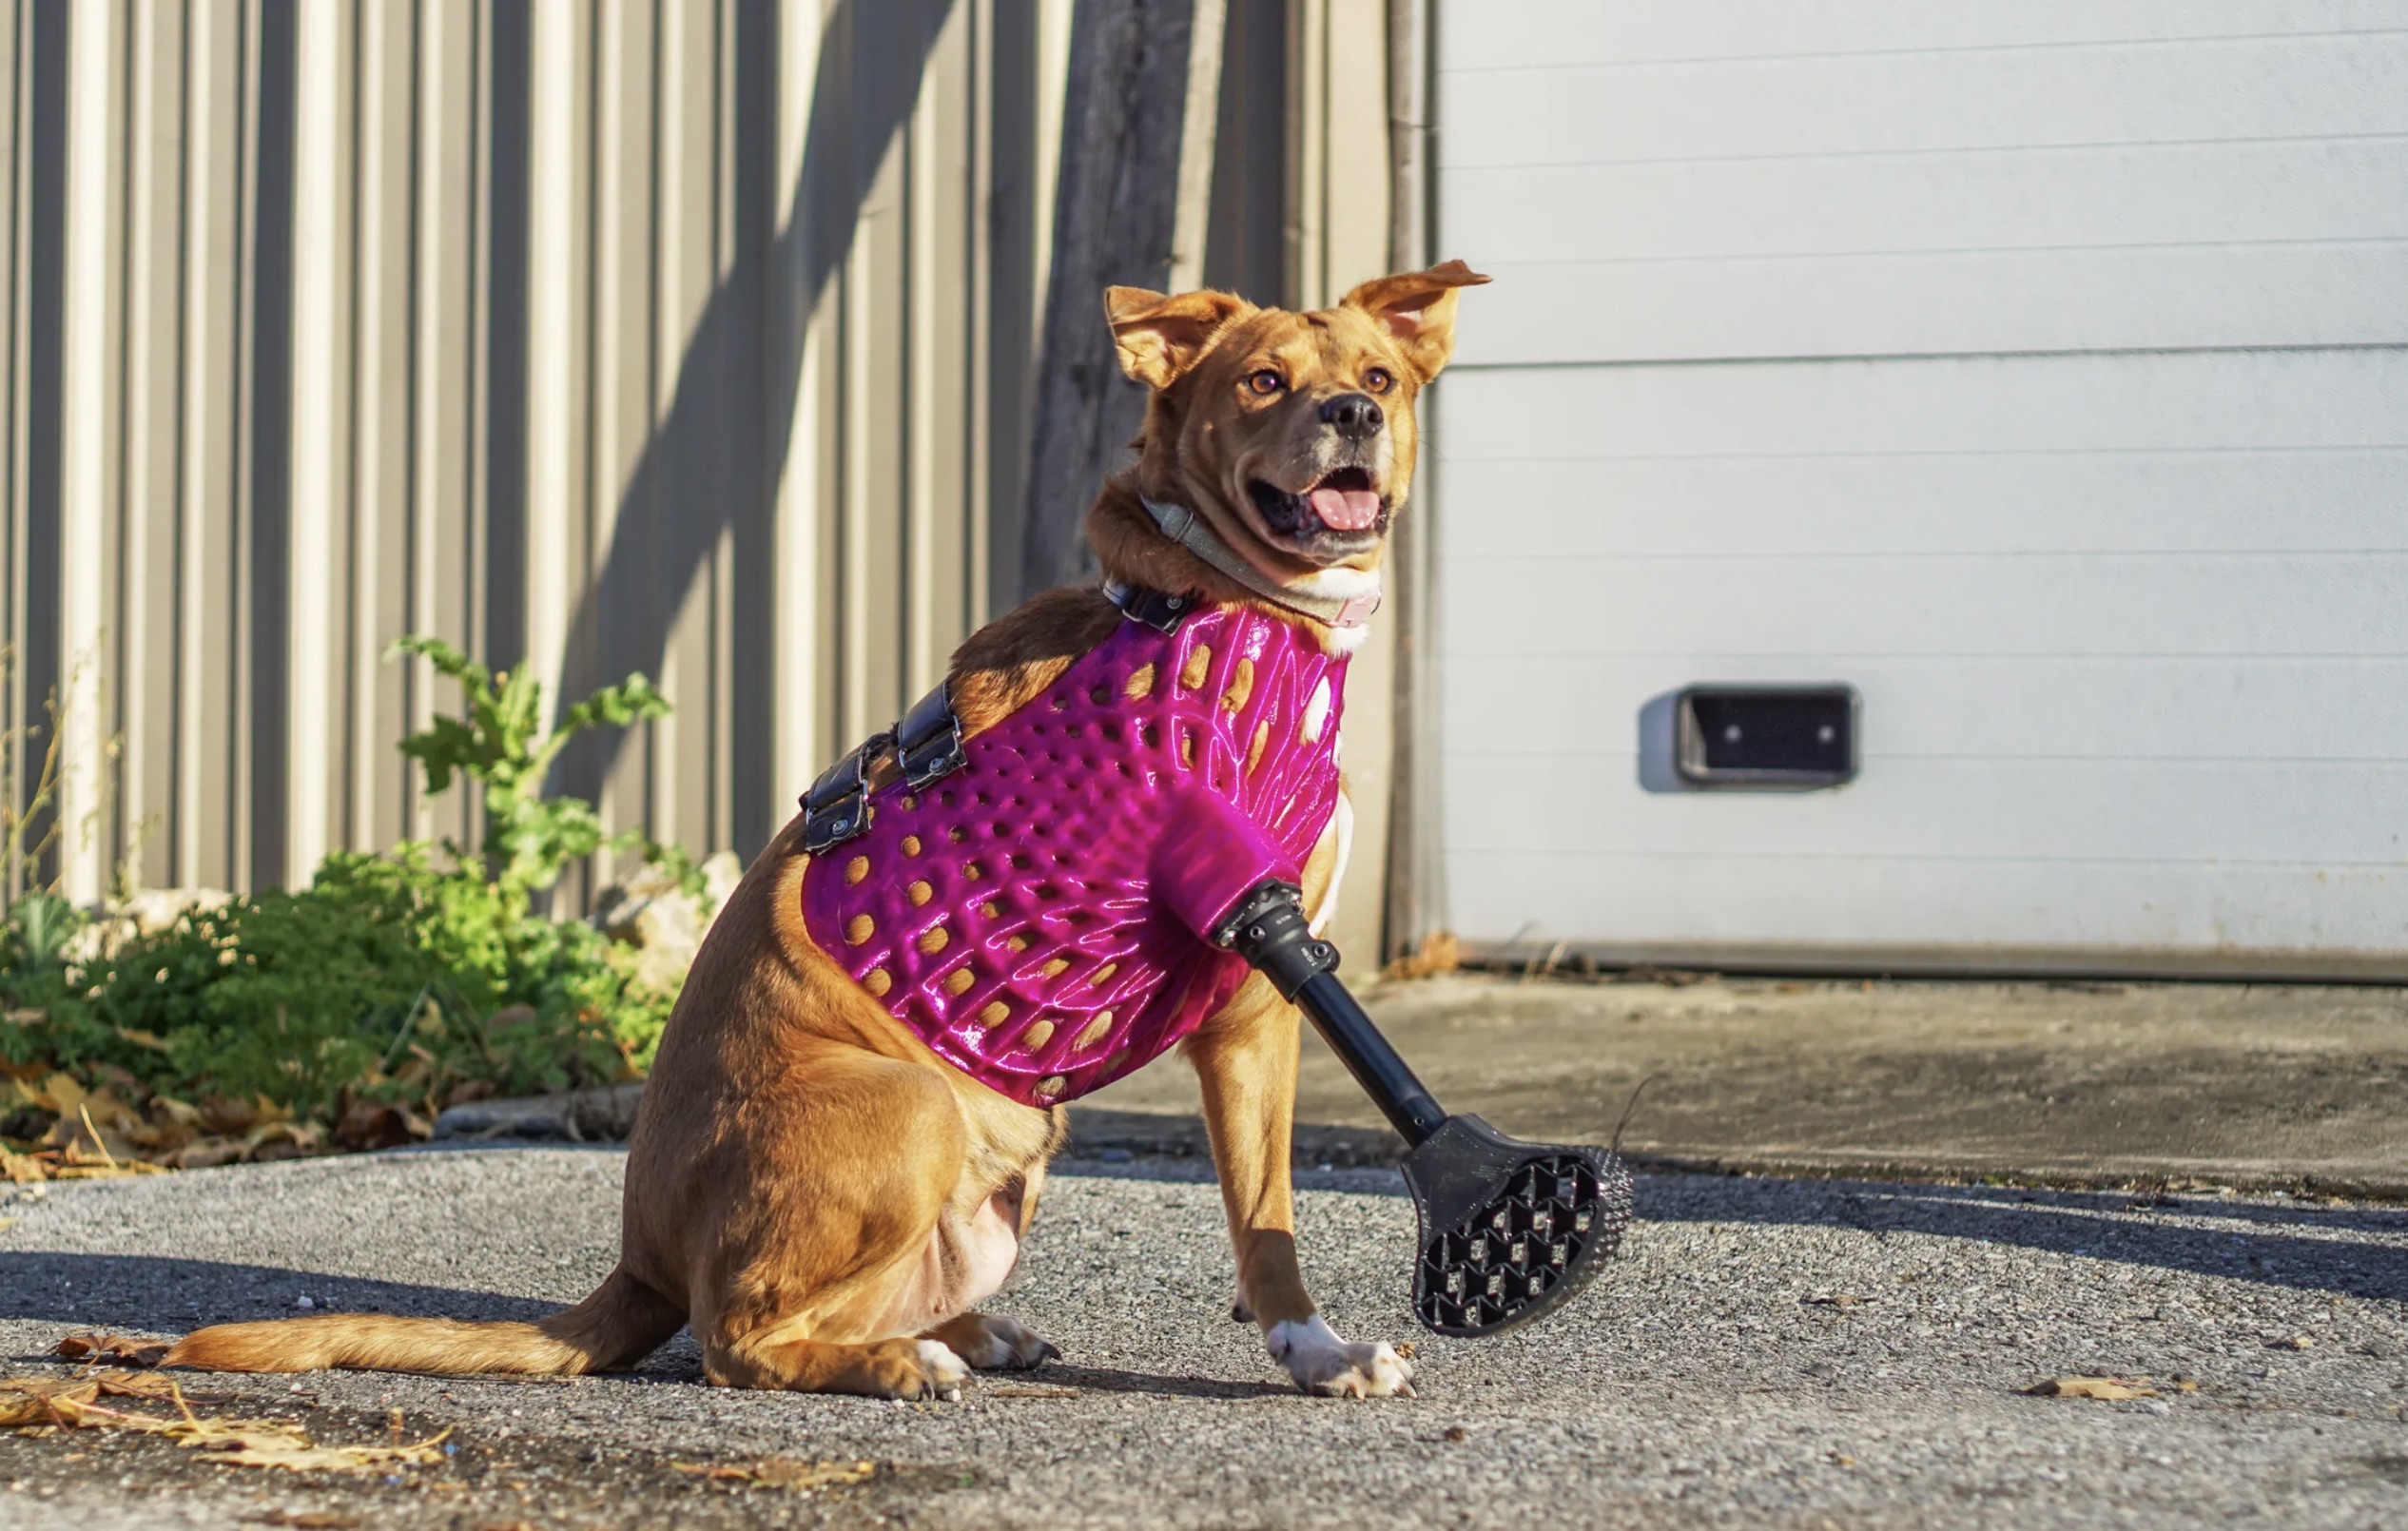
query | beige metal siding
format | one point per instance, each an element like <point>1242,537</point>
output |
<point>683,335</point>
<point>655,334</point>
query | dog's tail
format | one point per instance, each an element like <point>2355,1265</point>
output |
<point>619,1324</point>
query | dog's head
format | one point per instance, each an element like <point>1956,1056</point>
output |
<point>1292,434</point>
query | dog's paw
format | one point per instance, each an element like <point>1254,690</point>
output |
<point>1322,1363</point>
<point>1000,1343</point>
<point>941,1372</point>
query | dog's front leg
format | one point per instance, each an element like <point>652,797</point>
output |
<point>1245,1060</point>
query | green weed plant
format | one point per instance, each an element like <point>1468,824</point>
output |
<point>418,977</point>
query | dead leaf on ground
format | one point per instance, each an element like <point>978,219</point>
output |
<point>2296,1342</point>
<point>141,1352</point>
<point>43,1405</point>
<point>311,1519</point>
<point>1438,952</point>
<point>62,1403</point>
<point>2112,1389</point>
<point>31,1401</point>
<point>295,1452</point>
<point>377,1124</point>
<point>782,1472</point>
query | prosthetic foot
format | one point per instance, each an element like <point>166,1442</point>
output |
<point>1509,1229</point>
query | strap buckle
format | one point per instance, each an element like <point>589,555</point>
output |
<point>928,738</point>
<point>837,806</point>
<point>1160,611</point>
<point>926,744</point>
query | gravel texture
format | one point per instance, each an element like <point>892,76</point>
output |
<point>1767,1352</point>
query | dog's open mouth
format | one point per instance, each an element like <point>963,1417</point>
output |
<point>1345,502</point>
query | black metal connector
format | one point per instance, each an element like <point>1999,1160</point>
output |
<point>1509,1230</point>
<point>1269,929</point>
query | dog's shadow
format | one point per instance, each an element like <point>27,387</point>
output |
<point>157,1294</point>
<point>160,1293</point>
<point>1113,1380</point>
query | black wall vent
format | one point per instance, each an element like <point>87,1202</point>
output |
<point>1777,736</point>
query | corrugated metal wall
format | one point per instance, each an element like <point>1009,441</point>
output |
<point>662,335</point>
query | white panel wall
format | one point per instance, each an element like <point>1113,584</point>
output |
<point>2042,370</point>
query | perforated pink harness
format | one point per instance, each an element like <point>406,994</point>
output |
<point>1038,913</point>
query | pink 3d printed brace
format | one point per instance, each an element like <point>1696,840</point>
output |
<point>1034,902</point>
<point>1058,900</point>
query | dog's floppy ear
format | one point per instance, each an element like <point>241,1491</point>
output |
<point>1418,307</point>
<point>1159,338</point>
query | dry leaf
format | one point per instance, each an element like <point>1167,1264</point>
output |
<point>208,1154</point>
<point>311,1519</point>
<point>47,1403</point>
<point>2110,1389</point>
<point>375,1124</point>
<point>783,1472</point>
<point>296,1454</point>
<point>1438,952</point>
<point>2296,1342</point>
<point>114,1346</point>
<point>38,1401</point>
<point>8,1223</point>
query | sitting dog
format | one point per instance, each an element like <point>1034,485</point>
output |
<point>1011,898</point>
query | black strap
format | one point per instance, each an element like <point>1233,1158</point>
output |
<point>1161,612</point>
<point>837,806</point>
<point>926,744</point>
<point>928,739</point>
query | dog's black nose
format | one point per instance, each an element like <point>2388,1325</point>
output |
<point>1356,415</point>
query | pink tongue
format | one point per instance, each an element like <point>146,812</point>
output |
<point>1346,510</point>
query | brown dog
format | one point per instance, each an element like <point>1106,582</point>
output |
<point>811,1187</point>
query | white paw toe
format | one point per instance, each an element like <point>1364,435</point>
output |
<point>945,1369</point>
<point>1322,1363</point>
<point>1010,1346</point>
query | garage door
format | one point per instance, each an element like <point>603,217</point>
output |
<point>2040,371</point>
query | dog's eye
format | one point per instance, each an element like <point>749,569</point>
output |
<point>1266,381</point>
<point>1377,381</point>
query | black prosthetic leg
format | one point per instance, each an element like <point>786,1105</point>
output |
<point>1509,1230</point>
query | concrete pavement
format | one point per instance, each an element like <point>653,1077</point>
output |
<point>1770,1352</point>
<point>1783,1347</point>
<point>2245,1085</point>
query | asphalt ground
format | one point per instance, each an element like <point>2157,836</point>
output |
<point>2259,1086</point>
<point>1769,1352</point>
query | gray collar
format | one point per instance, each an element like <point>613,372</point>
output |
<point>1188,530</point>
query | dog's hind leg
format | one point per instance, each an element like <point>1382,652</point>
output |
<point>882,1368</point>
<point>856,1227</point>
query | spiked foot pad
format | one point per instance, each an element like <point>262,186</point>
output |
<point>1509,1229</point>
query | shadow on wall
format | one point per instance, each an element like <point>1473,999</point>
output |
<point>737,380</point>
